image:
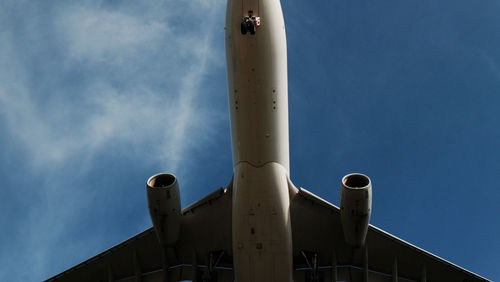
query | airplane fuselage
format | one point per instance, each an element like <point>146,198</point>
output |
<point>257,84</point>
<point>258,103</point>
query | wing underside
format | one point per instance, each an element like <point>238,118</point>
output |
<point>320,254</point>
<point>321,241</point>
<point>205,242</point>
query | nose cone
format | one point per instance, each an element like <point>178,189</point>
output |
<point>262,14</point>
<point>257,82</point>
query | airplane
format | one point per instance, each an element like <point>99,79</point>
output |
<point>261,227</point>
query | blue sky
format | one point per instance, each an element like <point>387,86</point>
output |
<point>97,96</point>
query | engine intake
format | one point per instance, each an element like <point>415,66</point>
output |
<point>355,207</point>
<point>164,207</point>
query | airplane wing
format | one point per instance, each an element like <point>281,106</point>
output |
<point>320,249</point>
<point>205,241</point>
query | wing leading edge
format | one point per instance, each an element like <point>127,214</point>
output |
<point>204,248</point>
<point>320,250</point>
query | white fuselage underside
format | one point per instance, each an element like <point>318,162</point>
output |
<point>258,102</point>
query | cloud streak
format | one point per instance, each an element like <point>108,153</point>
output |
<point>100,36</point>
<point>98,77</point>
<point>107,108</point>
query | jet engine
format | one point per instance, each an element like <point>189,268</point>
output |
<point>164,207</point>
<point>355,207</point>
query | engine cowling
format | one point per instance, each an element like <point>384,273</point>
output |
<point>355,207</point>
<point>164,207</point>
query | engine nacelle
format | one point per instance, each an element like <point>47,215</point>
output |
<point>165,207</point>
<point>355,207</point>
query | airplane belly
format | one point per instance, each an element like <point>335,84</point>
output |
<point>262,242</point>
<point>257,83</point>
<point>258,103</point>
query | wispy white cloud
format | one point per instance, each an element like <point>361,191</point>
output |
<point>103,111</point>
<point>118,78</point>
<point>103,36</point>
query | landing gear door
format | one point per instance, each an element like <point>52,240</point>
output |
<point>250,7</point>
